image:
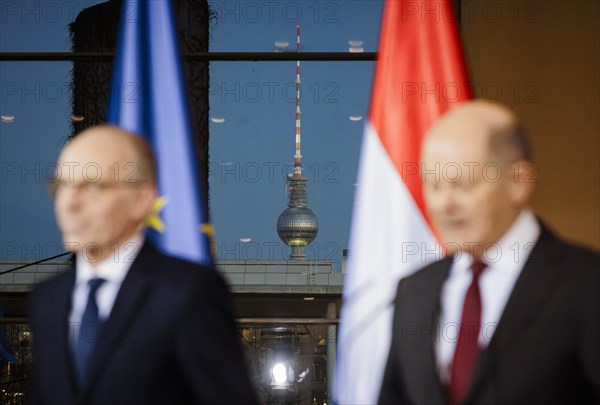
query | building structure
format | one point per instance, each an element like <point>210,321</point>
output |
<point>297,226</point>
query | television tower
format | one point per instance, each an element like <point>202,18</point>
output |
<point>297,226</point>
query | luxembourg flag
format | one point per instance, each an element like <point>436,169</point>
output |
<point>420,74</point>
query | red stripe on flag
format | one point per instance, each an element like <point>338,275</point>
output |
<point>420,74</point>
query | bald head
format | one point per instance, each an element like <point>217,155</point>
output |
<point>105,188</point>
<point>111,144</point>
<point>485,123</point>
<point>476,176</point>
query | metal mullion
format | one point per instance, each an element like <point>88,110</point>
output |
<point>196,56</point>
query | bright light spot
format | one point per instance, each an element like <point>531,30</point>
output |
<point>356,49</point>
<point>245,240</point>
<point>77,118</point>
<point>7,118</point>
<point>279,373</point>
<point>355,117</point>
<point>281,44</point>
<point>355,42</point>
<point>218,120</point>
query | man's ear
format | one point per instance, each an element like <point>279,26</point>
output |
<point>523,179</point>
<point>147,194</point>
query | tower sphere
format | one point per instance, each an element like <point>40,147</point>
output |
<point>297,226</point>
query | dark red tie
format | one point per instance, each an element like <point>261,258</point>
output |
<point>467,346</point>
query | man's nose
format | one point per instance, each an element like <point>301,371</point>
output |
<point>69,196</point>
<point>448,199</point>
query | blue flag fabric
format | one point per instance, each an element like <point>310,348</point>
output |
<point>4,351</point>
<point>149,98</point>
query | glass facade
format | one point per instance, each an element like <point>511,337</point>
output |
<point>287,361</point>
<point>251,143</point>
<point>15,377</point>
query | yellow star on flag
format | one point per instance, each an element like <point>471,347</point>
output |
<point>208,229</point>
<point>153,219</point>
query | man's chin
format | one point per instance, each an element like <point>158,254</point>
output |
<point>73,244</point>
<point>455,244</point>
<point>450,248</point>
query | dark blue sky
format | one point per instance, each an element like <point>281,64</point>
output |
<point>250,151</point>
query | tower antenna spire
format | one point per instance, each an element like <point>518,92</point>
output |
<point>298,156</point>
<point>297,225</point>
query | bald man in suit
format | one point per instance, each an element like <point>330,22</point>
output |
<point>127,325</point>
<point>512,314</point>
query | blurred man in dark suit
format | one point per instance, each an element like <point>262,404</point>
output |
<point>128,324</point>
<point>512,315</point>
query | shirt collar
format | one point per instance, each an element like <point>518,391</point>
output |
<point>115,267</point>
<point>516,244</point>
<point>512,249</point>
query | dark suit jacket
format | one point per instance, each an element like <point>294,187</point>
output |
<point>170,339</point>
<point>546,348</point>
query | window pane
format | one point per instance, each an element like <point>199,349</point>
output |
<point>38,25</point>
<point>325,25</point>
<point>43,26</point>
<point>252,149</point>
<point>35,124</point>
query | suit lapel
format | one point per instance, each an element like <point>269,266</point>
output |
<point>429,307</point>
<point>128,303</point>
<point>63,306</point>
<point>439,394</point>
<point>539,277</point>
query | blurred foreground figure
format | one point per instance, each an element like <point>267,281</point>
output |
<point>512,315</point>
<point>127,325</point>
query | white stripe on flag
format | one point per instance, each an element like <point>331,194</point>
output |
<point>389,240</point>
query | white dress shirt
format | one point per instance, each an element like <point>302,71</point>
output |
<point>505,260</point>
<point>112,269</point>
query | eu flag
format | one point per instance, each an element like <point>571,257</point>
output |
<point>149,98</point>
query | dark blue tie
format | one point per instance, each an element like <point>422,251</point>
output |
<point>89,330</point>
